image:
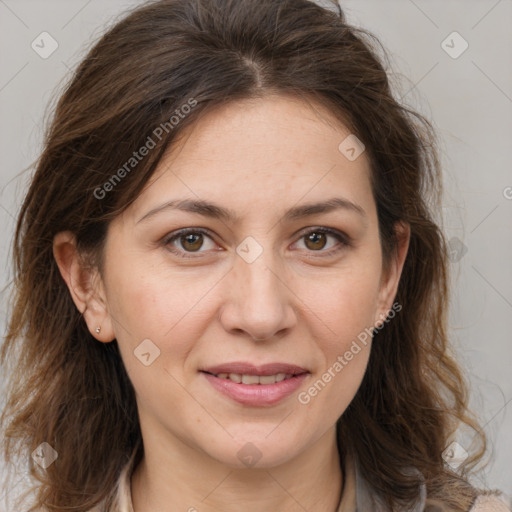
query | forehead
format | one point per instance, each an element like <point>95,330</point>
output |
<point>262,152</point>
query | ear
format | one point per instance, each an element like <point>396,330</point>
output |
<point>391,278</point>
<point>85,286</point>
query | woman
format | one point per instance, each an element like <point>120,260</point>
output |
<point>230,292</point>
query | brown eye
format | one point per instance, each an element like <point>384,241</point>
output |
<point>316,240</point>
<point>191,241</point>
<point>186,242</point>
<point>325,241</point>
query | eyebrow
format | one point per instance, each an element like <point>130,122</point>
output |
<point>214,211</point>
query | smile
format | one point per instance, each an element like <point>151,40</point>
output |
<point>255,386</point>
<point>254,379</point>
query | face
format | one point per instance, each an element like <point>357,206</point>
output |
<point>258,288</point>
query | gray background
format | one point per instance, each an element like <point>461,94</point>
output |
<point>469,99</point>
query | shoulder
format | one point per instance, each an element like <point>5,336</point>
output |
<point>491,503</point>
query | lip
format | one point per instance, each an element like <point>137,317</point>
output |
<point>256,395</point>
<point>250,369</point>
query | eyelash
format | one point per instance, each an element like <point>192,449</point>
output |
<point>341,237</point>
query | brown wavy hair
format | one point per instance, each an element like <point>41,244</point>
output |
<point>69,390</point>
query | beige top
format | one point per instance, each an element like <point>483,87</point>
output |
<point>356,495</point>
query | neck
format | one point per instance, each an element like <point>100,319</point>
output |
<point>179,478</point>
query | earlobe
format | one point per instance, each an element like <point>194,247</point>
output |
<point>85,286</point>
<point>389,283</point>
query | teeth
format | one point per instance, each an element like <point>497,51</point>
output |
<point>254,379</point>
<point>250,379</point>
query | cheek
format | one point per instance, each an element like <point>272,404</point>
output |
<point>341,304</point>
<point>341,309</point>
<point>344,361</point>
<point>343,335</point>
<point>149,303</point>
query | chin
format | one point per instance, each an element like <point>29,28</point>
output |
<point>261,451</point>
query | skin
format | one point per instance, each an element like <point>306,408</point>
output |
<point>295,303</point>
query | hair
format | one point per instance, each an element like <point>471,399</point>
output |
<point>69,390</point>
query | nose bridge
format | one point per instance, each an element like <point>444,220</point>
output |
<point>259,283</point>
<point>259,303</point>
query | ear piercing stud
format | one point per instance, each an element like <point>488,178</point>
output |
<point>98,329</point>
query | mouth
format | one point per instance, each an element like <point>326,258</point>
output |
<point>256,386</point>
<point>253,379</point>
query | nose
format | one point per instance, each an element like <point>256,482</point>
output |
<point>258,300</point>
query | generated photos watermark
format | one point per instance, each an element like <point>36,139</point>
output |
<point>343,360</point>
<point>144,150</point>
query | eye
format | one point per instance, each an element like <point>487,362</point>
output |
<point>185,242</point>
<point>191,240</point>
<point>316,240</point>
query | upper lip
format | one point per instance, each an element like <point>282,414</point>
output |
<point>243,368</point>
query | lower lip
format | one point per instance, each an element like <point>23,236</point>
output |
<point>256,395</point>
